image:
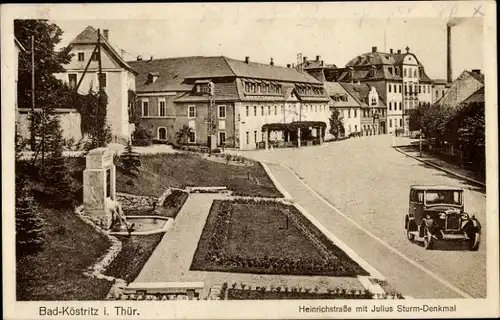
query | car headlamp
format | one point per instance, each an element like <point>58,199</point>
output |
<point>465,216</point>
<point>442,215</point>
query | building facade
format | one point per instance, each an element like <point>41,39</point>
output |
<point>439,87</point>
<point>348,106</point>
<point>463,87</point>
<point>118,78</point>
<point>175,92</point>
<point>399,79</point>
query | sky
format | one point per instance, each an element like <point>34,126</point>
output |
<point>336,40</point>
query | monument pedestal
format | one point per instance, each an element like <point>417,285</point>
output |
<point>99,184</point>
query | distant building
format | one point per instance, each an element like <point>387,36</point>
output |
<point>173,92</point>
<point>363,111</point>
<point>317,68</point>
<point>118,78</point>
<point>463,87</point>
<point>399,79</point>
<point>439,87</point>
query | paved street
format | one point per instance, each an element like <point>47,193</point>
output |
<point>369,182</point>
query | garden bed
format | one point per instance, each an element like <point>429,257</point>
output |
<point>173,203</point>
<point>239,294</point>
<point>135,252</point>
<point>267,237</point>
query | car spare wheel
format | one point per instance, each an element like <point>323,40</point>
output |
<point>427,239</point>
<point>474,241</point>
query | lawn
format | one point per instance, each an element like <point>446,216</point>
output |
<point>254,237</point>
<point>160,171</point>
<point>56,272</point>
<point>135,252</point>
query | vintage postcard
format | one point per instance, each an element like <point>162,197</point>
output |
<point>250,160</point>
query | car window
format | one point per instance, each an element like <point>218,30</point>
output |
<point>420,196</point>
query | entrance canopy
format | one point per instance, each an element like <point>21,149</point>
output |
<point>293,126</point>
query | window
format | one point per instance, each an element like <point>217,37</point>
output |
<point>162,133</point>
<point>390,106</point>
<point>399,89</point>
<point>222,111</point>
<point>254,111</point>
<point>390,86</point>
<point>192,136</point>
<point>145,108</point>
<point>248,110</point>
<point>268,110</point>
<point>419,89</point>
<point>191,111</point>
<point>414,73</point>
<point>81,56</point>
<point>355,128</point>
<point>255,136</point>
<point>437,93</point>
<point>349,114</point>
<point>395,89</point>
<point>399,105</point>
<point>222,137</point>
<point>72,79</point>
<point>246,136</point>
<point>405,74</point>
<point>390,123</point>
<point>162,110</point>
<point>400,122</point>
<point>262,111</point>
<point>275,110</point>
<point>102,80</point>
<point>94,56</point>
<point>355,113</point>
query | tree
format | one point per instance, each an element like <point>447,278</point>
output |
<point>30,235</point>
<point>130,162</point>
<point>142,136</point>
<point>182,136</point>
<point>336,124</point>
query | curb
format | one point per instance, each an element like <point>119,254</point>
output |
<point>276,182</point>
<point>441,168</point>
<point>375,275</point>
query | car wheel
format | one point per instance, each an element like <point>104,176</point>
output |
<point>474,241</point>
<point>427,239</point>
<point>410,236</point>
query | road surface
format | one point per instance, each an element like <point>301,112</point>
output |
<point>368,182</point>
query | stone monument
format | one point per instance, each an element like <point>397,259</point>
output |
<point>99,185</point>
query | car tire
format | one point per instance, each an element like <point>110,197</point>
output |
<point>474,240</point>
<point>410,236</point>
<point>428,241</point>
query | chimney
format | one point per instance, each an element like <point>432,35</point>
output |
<point>449,75</point>
<point>247,60</point>
<point>399,51</point>
<point>374,49</point>
<point>476,71</point>
<point>272,62</point>
<point>317,58</point>
<point>105,33</point>
<point>123,53</point>
<point>139,58</point>
<point>351,72</point>
<point>288,65</point>
<point>322,63</point>
<point>391,51</point>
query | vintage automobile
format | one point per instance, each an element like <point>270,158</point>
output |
<point>437,213</point>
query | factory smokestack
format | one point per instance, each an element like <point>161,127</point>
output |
<point>449,76</point>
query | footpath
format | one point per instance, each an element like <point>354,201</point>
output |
<point>442,165</point>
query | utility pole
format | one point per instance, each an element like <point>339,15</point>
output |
<point>33,146</point>
<point>420,143</point>
<point>99,77</point>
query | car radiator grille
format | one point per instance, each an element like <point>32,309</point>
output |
<point>453,222</point>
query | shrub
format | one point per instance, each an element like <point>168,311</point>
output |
<point>216,150</point>
<point>30,235</point>
<point>129,161</point>
<point>142,137</point>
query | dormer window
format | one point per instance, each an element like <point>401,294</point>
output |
<point>152,76</point>
<point>374,101</point>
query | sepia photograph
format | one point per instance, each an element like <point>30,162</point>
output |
<point>308,160</point>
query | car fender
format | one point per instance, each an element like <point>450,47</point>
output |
<point>474,224</point>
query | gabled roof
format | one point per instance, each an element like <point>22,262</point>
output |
<point>89,36</point>
<point>478,76</point>
<point>268,72</point>
<point>174,71</point>
<point>476,97</point>
<point>358,91</point>
<point>336,89</point>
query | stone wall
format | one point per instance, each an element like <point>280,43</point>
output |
<point>132,202</point>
